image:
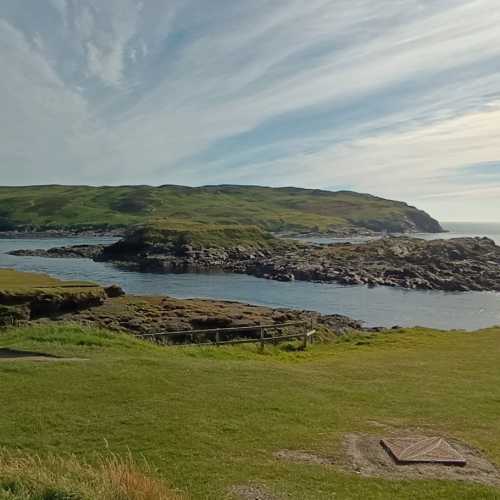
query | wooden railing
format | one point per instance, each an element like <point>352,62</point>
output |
<point>222,336</point>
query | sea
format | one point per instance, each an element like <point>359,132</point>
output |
<point>380,306</point>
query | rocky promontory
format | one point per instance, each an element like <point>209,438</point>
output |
<point>67,252</point>
<point>461,264</point>
<point>144,315</point>
<point>28,297</point>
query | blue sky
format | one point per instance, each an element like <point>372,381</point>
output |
<point>399,98</point>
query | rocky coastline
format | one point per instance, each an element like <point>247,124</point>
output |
<point>142,315</point>
<point>61,233</point>
<point>461,264</point>
<point>66,252</point>
<point>27,298</point>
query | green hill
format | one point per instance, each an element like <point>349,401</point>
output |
<point>274,209</point>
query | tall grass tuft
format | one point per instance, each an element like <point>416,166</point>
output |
<point>27,477</point>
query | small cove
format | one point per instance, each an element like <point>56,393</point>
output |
<point>381,306</point>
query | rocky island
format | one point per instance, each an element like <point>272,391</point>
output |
<point>462,264</point>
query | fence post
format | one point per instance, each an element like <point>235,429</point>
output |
<point>217,338</point>
<point>305,336</point>
<point>262,338</point>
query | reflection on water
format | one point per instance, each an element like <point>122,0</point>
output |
<point>378,306</point>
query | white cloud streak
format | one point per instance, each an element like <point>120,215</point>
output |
<point>390,97</point>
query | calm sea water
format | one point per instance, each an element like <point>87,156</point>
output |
<point>455,230</point>
<point>378,306</point>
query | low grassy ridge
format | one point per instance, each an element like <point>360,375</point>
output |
<point>23,295</point>
<point>179,233</point>
<point>274,209</point>
<point>208,419</point>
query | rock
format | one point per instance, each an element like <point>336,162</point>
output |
<point>114,291</point>
<point>70,252</point>
<point>10,315</point>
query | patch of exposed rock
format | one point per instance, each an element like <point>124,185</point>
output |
<point>460,264</point>
<point>69,252</point>
<point>146,315</point>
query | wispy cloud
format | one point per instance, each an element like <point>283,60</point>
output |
<point>394,98</point>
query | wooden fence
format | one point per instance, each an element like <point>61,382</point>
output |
<point>262,334</point>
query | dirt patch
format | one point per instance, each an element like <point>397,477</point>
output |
<point>366,456</point>
<point>15,355</point>
<point>302,457</point>
<point>251,492</point>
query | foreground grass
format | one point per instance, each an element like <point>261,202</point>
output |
<point>208,419</point>
<point>27,477</point>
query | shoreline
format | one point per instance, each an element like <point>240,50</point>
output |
<point>59,234</point>
<point>120,232</point>
<point>455,265</point>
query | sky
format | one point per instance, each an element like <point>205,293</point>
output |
<point>398,98</point>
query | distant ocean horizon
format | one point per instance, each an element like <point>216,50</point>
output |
<point>461,229</point>
<point>468,226</point>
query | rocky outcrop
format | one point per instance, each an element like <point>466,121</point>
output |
<point>59,233</point>
<point>26,296</point>
<point>147,315</point>
<point>71,252</point>
<point>461,264</point>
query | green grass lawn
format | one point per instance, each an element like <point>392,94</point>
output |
<point>211,418</point>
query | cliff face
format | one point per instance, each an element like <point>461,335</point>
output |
<point>410,221</point>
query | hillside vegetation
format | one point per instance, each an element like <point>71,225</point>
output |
<point>209,420</point>
<point>274,209</point>
<point>177,234</point>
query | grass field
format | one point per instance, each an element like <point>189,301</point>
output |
<point>78,207</point>
<point>209,419</point>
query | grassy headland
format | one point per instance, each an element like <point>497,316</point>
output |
<point>274,209</point>
<point>27,295</point>
<point>209,419</point>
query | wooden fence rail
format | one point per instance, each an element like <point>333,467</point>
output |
<point>220,335</point>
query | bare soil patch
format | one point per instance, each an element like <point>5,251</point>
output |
<point>251,492</point>
<point>15,355</point>
<point>366,456</point>
<point>302,457</point>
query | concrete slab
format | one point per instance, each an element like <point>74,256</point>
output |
<point>422,450</point>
